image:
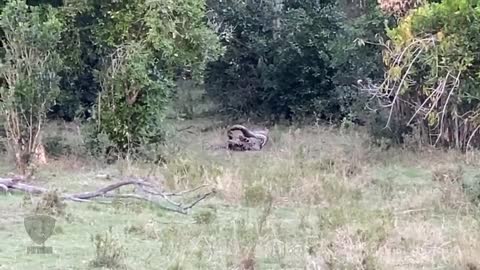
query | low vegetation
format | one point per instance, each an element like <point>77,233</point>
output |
<point>335,199</point>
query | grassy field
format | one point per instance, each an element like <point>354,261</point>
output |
<point>336,199</point>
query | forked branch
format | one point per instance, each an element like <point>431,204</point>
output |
<point>144,190</point>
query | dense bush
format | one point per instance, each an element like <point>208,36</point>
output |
<point>291,61</point>
<point>121,59</point>
<point>432,80</point>
<point>133,98</point>
<point>256,72</point>
<point>357,56</point>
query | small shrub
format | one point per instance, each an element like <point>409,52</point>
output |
<point>3,146</point>
<point>247,235</point>
<point>109,252</point>
<point>51,204</point>
<point>386,136</point>
<point>204,217</point>
<point>134,229</point>
<point>149,230</point>
<point>472,266</point>
<point>70,218</point>
<point>31,91</point>
<point>98,144</point>
<point>120,205</point>
<point>246,238</point>
<point>128,75</point>
<point>255,195</point>
<point>326,164</point>
<point>56,147</point>
<point>26,202</point>
<point>58,230</point>
<point>451,186</point>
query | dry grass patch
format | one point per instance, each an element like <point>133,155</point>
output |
<point>337,201</point>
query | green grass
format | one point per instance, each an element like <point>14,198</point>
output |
<point>335,197</point>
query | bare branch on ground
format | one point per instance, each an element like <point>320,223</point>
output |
<point>144,191</point>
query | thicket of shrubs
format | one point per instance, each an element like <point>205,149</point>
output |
<point>116,63</point>
<point>296,60</point>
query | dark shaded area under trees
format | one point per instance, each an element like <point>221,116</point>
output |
<point>293,60</point>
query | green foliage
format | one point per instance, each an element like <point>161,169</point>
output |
<point>51,204</point>
<point>148,43</point>
<point>356,56</point>
<point>298,78</point>
<point>109,252</point>
<point>432,61</point>
<point>472,189</point>
<point>175,31</point>
<point>133,98</point>
<point>80,57</point>
<point>30,65</point>
<point>255,195</point>
<point>204,217</point>
<point>173,38</point>
<point>30,69</point>
<point>56,146</point>
<point>292,61</point>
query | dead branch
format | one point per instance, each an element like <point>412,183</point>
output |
<point>446,104</point>
<point>417,53</point>
<point>105,190</point>
<point>145,191</point>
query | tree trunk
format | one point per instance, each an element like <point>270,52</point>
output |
<point>24,158</point>
<point>40,156</point>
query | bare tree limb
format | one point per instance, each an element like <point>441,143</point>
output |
<point>446,104</point>
<point>103,191</point>
<point>417,53</point>
<point>146,191</point>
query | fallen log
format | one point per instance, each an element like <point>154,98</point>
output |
<point>144,190</point>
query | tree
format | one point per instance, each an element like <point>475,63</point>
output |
<point>297,60</point>
<point>133,98</point>
<point>145,44</point>
<point>30,70</point>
